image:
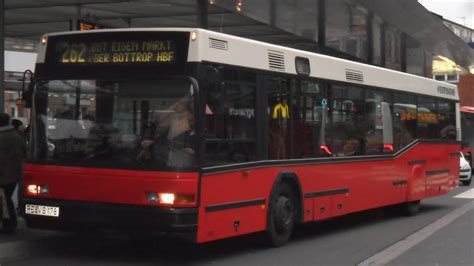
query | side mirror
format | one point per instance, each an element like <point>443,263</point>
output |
<point>211,77</point>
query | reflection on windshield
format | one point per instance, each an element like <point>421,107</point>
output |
<point>127,124</point>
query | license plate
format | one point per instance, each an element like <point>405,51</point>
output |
<point>42,210</point>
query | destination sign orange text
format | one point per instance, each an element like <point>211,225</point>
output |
<point>116,52</point>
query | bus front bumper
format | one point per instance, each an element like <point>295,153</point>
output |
<point>77,216</point>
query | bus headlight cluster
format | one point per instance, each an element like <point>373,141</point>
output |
<point>161,198</point>
<point>166,198</point>
<point>169,198</point>
<point>37,189</point>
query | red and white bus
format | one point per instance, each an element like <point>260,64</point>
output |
<point>213,136</point>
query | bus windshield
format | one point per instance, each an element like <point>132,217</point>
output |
<point>146,125</point>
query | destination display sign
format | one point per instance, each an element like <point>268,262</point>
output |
<point>119,49</point>
<point>84,25</point>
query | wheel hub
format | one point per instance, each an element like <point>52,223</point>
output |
<point>283,214</point>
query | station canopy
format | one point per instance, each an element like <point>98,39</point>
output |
<point>29,19</point>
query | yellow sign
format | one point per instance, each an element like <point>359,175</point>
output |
<point>424,117</point>
<point>83,25</point>
<point>281,111</point>
<point>20,102</point>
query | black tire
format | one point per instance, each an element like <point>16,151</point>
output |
<point>467,182</point>
<point>411,208</point>
<point>281,215</point>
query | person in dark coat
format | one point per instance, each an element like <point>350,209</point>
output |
<point>12,153</point>
<point>18,125</point>
<point>20,129</point>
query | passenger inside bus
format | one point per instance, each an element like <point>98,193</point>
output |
<point>179,129</point>
<point>353,144</point>
<point>147,142</point>
<point>102,141</point>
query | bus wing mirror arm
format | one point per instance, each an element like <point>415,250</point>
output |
<point>27,94</point>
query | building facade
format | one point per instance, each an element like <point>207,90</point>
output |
<point>447,70</point>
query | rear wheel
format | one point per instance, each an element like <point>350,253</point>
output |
<point>411,208</point>
<point>281,215</point>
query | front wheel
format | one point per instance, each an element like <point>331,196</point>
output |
<point>281,215</point>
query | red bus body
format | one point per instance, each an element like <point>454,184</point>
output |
<point>329,189</point>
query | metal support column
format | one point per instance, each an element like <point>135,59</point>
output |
<point>273,14</point>
<point>202,14</point>
<point>370,38</point>
<point>382,42</point>
<point>321,23</point>
<point>2,56</point>
<point>403,52</point>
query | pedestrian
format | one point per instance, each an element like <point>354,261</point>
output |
<point>12,153</point>
<point>18,125</point>
<point>20,129</point>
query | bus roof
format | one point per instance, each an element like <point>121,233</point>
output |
<point>210,46</point>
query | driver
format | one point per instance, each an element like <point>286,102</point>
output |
<point>180,135</point>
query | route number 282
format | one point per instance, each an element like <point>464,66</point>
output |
<point>74,53</point>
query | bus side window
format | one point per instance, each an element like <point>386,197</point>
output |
<point>278,118</point>
<point>346,134</point>
<point>309,114</point>
<point>379,134</point>
<point>447,120</point>
<point>427,126</point>
<point>230,127</point>
<point>404,120</point>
